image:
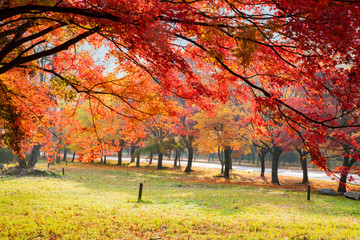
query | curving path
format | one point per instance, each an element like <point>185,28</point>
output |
<point>312,174</point>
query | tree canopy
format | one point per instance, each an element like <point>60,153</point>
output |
<point>196,50</point>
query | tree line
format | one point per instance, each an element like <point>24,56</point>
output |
<point>288,69</point>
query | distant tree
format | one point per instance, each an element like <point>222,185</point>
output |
<point>222,130</point>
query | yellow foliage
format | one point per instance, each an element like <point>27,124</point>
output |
<point>224,127</point>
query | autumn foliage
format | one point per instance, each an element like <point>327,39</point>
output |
<point>203,52</point>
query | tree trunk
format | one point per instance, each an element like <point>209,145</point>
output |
<point>277,151</point>
<point>138,154</point>
<point>176,158</point>
<point>73,157</point>
<point>221,160</point>
<point>34,156</point>
<point>303,162</point>
<point>65,155</point>
<point>347,163</point>
<point>262,155</point>
<point>305,171</point>
<point>120,156</point>
<point>104,159</point>
<point>262,162</point>
<point>342,183</point>
<point>190,159</point>
<point>151,158</point>
<point>132,152</point>
<point>227,152</point>
<point>160,158</point>
<point>230,161</point>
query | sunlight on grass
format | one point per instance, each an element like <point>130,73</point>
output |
<point>101,203</point>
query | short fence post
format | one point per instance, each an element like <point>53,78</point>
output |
<point>308,193</point>
<point>63,171</point>
<point>140,192</point>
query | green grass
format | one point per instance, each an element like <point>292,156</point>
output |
<point>101,203</point>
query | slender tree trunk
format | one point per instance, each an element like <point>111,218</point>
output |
<point>138,154</point>
<point>304,168</point>
<point>73,157</point>
<point>132,152</point>
<point>65,155</point>
<point>221,160</point>
<point>262,156</point>
<point>179,158</point>
<point>160,158</point>
<point>262,163</point>
<point>303,162</point>
<point>176,157</point>
<point>190,159</point>
<point>120,152</point>
<point>227,153</point>
<point>34,156</point>
<point>151,158</point>
<point>105,159</point>
<point>277,151</point>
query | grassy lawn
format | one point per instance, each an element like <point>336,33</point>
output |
<point>100,202</point>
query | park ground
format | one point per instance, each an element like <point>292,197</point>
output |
<point>99,201</point>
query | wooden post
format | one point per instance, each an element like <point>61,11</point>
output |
<point>308,192</point>
<point>63,171</point>
<point>140,192</point>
